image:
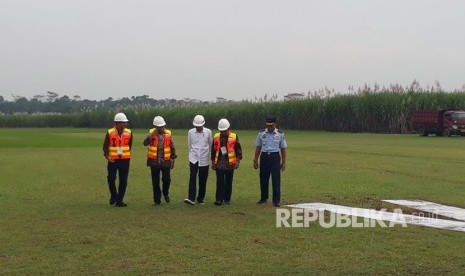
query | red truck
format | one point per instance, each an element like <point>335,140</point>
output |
<point>441,122</point>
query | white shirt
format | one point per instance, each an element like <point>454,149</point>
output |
<point>199,145</point>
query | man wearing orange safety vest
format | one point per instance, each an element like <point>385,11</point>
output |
<point>160,158</point>
<point>226,154</point>
<point>117,150</point>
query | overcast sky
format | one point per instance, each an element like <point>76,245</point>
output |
<point>234,49</point>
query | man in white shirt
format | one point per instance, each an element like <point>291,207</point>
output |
<point>199,141</point>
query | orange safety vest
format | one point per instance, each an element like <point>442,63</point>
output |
<point>153,146</point>
<point>230,147</point>
<point>117,141</point>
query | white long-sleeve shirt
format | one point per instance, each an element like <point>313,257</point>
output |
<point>199,144</point>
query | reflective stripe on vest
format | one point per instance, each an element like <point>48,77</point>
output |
<point>117,141</point>
<point>230,147</point>
<point>152,152</point>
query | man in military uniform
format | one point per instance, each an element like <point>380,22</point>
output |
<point>270,143</point>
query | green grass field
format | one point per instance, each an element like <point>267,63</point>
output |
<point>55,217</point>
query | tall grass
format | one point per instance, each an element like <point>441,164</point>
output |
<point>364,111</point>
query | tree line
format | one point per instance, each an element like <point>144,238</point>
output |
<point>376,110</point>
<point>52,102</point>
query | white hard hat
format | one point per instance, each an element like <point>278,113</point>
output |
<point>120,117</point>
<point>223,125</point>
<point>158,121</point>
<point>198,121</point>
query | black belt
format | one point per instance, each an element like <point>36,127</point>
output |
<point>270,153</point>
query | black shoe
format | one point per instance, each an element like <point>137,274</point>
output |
<point>121,204</point>
<point>218,203</point>
<point>112,200</point>
<point>227,202</point>
<point>201,202</point>
<point>276,204</point>
<point>156,203</point>
<point>261,201</point>
<point>167,199</point>
<point>188,201</point>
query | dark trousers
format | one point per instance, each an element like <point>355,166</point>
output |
<point>270,164</point>
<point>224,179</point>
<point>203,175</point>
<point>165,178</point>
<point>122,168</point>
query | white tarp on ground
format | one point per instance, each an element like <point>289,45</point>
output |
<point>431,207</point>
<point>383,215</point>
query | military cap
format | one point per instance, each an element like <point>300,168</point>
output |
<point>270,119</point>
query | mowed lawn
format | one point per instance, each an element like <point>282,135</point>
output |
<point>55,217</point>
